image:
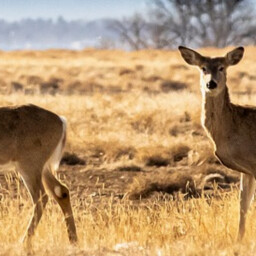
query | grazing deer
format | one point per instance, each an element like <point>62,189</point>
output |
<point>33,138</point>
<point>231,128</point>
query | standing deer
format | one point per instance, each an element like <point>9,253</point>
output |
<point>33,138</point>
<point>231,128</point>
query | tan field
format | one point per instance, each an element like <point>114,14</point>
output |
<point>140,168</point>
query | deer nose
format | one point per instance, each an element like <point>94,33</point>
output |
<point>211,85</point>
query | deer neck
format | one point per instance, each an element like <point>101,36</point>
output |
<point>216,114</point>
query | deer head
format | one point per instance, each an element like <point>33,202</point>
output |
<point>213,70</point>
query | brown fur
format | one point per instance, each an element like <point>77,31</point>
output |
<point>29,136</point>
<point>231,128</point>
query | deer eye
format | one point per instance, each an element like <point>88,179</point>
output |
<point>221,68</point>
<point>204,69</point>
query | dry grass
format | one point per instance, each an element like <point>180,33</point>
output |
<point>134,126</point>
<point>205,226</point>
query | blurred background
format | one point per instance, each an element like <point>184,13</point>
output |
<point>125,24</point>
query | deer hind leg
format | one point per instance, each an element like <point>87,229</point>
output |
<point>33,182</point>
<point>246,194</point>
<point>61,194</point>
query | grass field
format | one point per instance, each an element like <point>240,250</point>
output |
<point>141,171</point>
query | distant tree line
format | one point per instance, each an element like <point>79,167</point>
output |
<point>60,33</point>
<point>164,25</point>
<point>197,23</point>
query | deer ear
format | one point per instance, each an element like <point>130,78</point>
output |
<point>190,56</point>
<point>235,56</point>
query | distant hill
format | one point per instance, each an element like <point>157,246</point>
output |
<point>45,34</point>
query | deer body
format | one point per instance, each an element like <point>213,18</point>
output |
<point>226,123</point>
<point>231,128</point>
<point>24,129</point>
<point>33,138</point>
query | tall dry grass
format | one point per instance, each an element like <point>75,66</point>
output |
<point>205,226</point>
<point>133,115</point>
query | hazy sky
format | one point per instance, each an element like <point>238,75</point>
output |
<point>69,9</point>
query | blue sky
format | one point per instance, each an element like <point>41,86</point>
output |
<point>69,9</point>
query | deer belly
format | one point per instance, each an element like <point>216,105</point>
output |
<point>237,161</point>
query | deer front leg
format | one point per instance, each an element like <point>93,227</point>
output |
<point>247,187</point>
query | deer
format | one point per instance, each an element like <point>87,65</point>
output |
<point>33,139</point>
<point>230,127</point>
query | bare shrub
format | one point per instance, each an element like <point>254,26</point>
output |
<point>157,160</point>
<point>181,128</point>
<point>168,85</point>
<point>72,159</point>
<point>180,152</point>
<point>168,156</point>
<point>49,88</point>
<point>33,79</point>
<point>129,168</point>
<point>16,87</point>
<point>191,181</point>
<point>152,78</point>
<point>169,182</point>
<point>139,67</point>
<point>125,71</point>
